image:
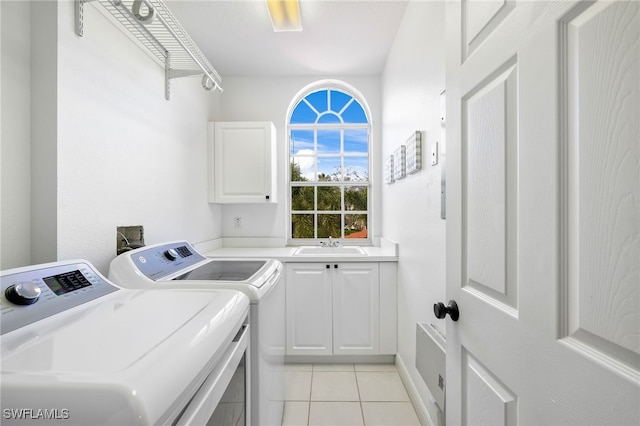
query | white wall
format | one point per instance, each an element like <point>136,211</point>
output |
<point>267,99</point>
<point>413,79</point>
<point>107,149</point>
<point>44,132</point>
<point>15,151</point>
<point>126,155</point>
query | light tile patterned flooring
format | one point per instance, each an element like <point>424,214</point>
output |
<point>346,394</point>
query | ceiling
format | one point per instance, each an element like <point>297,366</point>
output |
<point>339,37</point>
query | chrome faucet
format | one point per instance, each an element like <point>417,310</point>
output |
<point>330,243</point>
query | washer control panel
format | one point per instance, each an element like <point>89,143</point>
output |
<point>37,292</point>
<point>163,260</point>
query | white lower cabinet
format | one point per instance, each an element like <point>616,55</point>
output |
<point>309,309</point>
<point>341,308</point>
<point>356,299</point>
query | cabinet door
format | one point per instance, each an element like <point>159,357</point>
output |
<point>356,320</point>
<point>244,169</point>
<point>308,309</point>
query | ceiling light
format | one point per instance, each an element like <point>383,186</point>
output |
<point>285,15</point>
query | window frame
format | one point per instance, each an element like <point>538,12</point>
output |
<point>329,85</point>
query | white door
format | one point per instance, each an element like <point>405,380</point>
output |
<point>356,309</point>
<point>543,213</point>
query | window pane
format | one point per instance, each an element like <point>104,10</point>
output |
<point>303,114</point>
<point>329,198</point>
<point>355,198</point>
<point>328,141</point>
<point>301,142</point>
<point>338,100</point>
<point>329,118</point>
<point>319,100</point>
<point>356,141</point>
<point>329,169</point>
<point>354,114</point>
<point>355,226</point>
<point>302,226</point>
<point>356,169</point>
<point>302,198</point>
<point>303,169</point>
<point>329,226</point>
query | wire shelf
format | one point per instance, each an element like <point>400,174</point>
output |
<point>155,27</point>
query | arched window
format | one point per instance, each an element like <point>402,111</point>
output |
<point>329,152</point>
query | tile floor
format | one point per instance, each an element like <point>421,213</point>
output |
<point>346,394</point>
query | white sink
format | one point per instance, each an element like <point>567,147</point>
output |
<point>329,251</point>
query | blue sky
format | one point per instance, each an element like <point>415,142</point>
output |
<point>328,104</point>
<point>322,107</point>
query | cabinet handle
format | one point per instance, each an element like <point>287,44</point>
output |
<point>267,197</point>
<point>335,266</point>
<point>328,266</point>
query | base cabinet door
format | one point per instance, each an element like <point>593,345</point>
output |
<point>309,309</point>
<point>335,308</point>
<point>356,301</point>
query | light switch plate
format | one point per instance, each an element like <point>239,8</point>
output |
<point>434,154</point>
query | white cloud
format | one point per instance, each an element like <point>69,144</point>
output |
<point>305,160</point>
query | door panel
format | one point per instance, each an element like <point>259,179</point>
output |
<point>602,189</point>
<point>489,400</point>
<point>479,20</point>
<point>489,182</point>
<point>543,212</point>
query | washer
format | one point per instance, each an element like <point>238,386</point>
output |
<point>76,349</point>
<point>177,265</point>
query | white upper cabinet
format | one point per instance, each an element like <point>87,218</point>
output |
<point>242,162</point>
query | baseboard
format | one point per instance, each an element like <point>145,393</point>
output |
<point>414,396</point>
<point>339,359</point>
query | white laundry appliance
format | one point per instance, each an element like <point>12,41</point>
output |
<point>177,265</point>
<point>77,349</point>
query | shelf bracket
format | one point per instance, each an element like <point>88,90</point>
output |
<point>170,74</point>
<point>79,14</point>
<point>167,77</point>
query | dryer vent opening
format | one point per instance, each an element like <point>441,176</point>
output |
<point>129,238</point>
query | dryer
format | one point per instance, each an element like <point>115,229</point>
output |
<point>76,349</point>
<point>178,265</point>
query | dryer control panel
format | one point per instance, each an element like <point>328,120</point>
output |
<point>33,293</point>
<point>160,261</point>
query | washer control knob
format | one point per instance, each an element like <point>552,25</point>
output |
<point>171,254</point>
<point>24,293</point>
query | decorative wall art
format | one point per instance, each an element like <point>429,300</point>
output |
<point>414,152</point>
<point>406,159</point>
<point>399,158</point>
<point>388,170</point>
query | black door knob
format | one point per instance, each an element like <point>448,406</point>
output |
<point>441,311</point>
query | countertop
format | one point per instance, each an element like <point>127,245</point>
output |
<point>386,252</point>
